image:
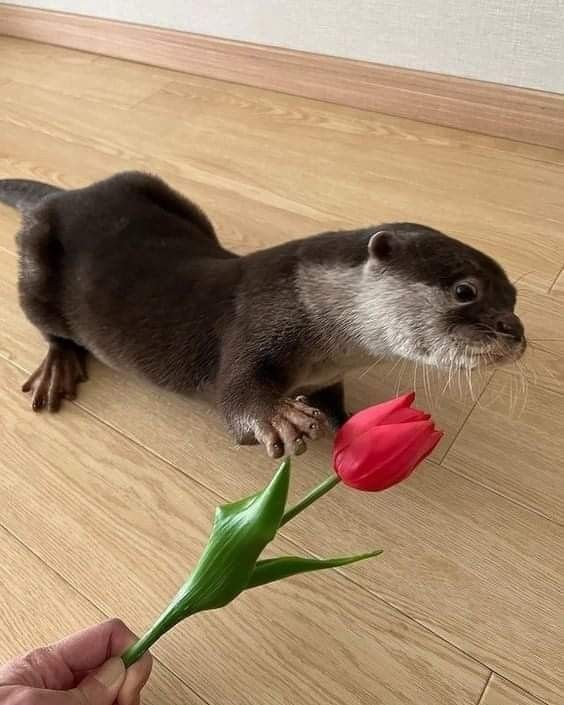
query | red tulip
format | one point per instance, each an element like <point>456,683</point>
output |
<point>380,446</point>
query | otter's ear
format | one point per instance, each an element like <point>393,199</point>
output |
<point>383,245</point>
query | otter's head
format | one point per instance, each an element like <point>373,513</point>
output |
<point>438,300</point>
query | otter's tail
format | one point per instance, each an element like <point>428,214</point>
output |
<point>23,194</point>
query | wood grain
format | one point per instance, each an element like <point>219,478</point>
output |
<point>123,528</point>
<point>558,286</point>
<point>472,561</point>
<point>543,314</point>
<point>38,607</point>
<point>450,406</point>
<point>470,196</point>
<point>506,111</point>
<point>77,74</point>
<point>526,431</point>
<point>499,557</point>
<point>502,692</point>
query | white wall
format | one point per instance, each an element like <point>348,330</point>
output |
<point>518,42</point>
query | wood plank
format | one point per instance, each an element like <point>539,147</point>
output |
<point>501,692</point>
<point>269,167</point>
<point>231,108</point>
<point>543,315</point>
<point>558,286</point>
<point>70,160</point>
<point>486,562</point>
<point>77,74</point>
<point>38,607</point>
<point>261,105</point>
<point>310,186</point>
<point>512,441</point>
<point>123,528</point>
<point>338,119</point>
<point>517,113</point>
<point>524,428</point>
<point>450,403</point>
<point>498,557</point>
<point>541,366</point>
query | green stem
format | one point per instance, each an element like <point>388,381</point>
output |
<point>164,623</point>
<point>172,616</point>
<point>310,498</point>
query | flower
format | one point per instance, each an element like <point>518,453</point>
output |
<point>376,448</point>
<point>231,562</point>
<point>382,445</point>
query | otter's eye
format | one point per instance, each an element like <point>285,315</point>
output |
<point>465,292</point>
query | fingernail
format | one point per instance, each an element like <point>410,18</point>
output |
<point>111,673</point>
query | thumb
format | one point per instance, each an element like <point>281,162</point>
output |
<point>102,686</point>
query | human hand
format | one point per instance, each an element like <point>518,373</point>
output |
<point>83,669</point>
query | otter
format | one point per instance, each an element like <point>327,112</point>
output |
<point>132,272</point>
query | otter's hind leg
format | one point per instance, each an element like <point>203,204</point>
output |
<point>41,298</point>
<point>57,377</point>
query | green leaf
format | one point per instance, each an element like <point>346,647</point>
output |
<point>240,532</point>
<point>268,571</point>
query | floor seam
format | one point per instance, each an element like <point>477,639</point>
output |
<point>443,463</point>
<point>466,418</point>
<point>556,278</point>
<point>489,679</point>
<point>514,501</point>
<point>494,673</point>
<point>89,600</point>
<point>222,499</point>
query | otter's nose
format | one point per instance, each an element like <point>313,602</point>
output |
<point>510,324</point>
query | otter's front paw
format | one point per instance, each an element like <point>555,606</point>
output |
<point>284,431</point>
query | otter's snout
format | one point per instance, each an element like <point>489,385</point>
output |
<point>509,324</point>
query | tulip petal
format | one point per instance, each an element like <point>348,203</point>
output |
<point>394,411</point>
<point>385,442</point>
<point>383,456</point>
<point>411,445</point>
<point>432,442</point>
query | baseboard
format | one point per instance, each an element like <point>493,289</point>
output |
<point>502,111</point>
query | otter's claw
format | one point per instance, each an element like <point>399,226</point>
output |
<point>291,422</point>
<point>56,378</point>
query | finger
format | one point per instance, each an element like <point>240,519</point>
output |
<point>54,392</point>
<point>68,382</point>
<point>28,384</point>
<point>300,446</point>
<point>301,404</point>
<point>268,436</point>
<point>311,421</point>
<point>291,437</point>
<point>82,367</point>
<point>112,637</point>
<point>275,449</point>
<point>39,398</point>
<point>312,427</point>
<point>102,687</point>
<point>25,695</point>
<point>136,677</point>
<point>89,648</point>
<point>314,431</point>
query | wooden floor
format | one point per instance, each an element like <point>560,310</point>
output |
<point>105,507</point>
